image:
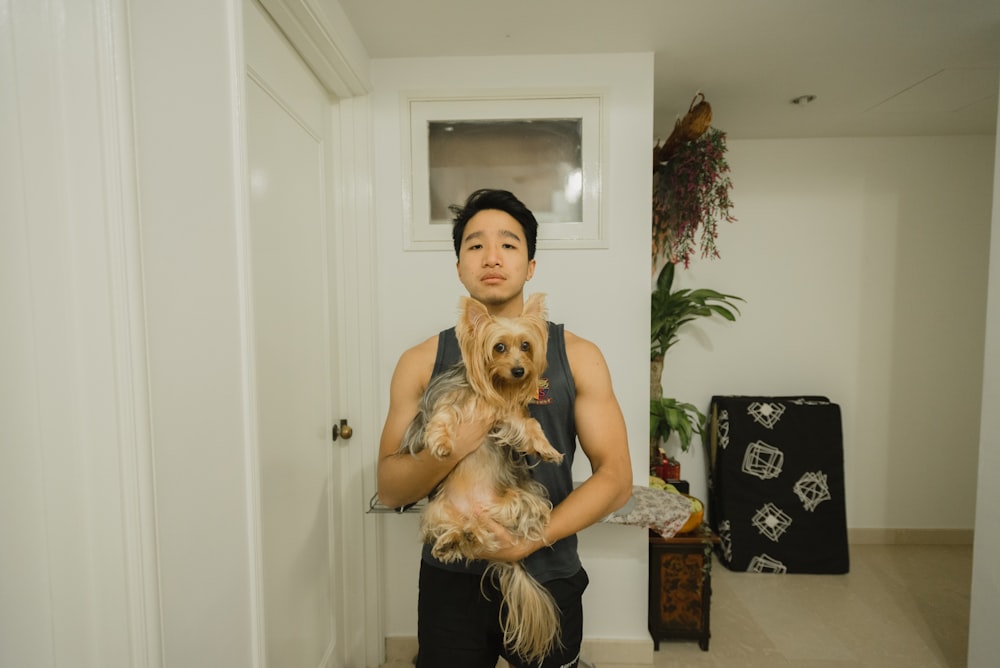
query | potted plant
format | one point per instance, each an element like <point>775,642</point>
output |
<point>670,310</point>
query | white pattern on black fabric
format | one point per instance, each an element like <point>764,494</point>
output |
<point>778,488</point>
<point>763,461</point>
<point>812,490</point>
<point>765,413</point>
<point>726,540</point>
<point>724,429</point>
<point>766,564</point>
<point>771,521</point>
<point>802,401</point>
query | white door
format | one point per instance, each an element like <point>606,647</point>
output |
<point>288,151</point>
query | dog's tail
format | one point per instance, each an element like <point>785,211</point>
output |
<point>531,625</point>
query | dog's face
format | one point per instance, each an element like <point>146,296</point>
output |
<point>516,352</point>
<point>504,354</point>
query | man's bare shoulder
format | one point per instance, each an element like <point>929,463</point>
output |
<point>416,364</point>
<point>423,350</point>
<point>580,348</point>
<point>586,360</point>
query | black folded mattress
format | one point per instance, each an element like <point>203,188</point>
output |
<point>776,484</point>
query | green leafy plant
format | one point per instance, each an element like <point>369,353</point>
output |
<point>668,416</point>
<point>670,310</point>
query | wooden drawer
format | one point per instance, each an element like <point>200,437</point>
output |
<point>680,586</point>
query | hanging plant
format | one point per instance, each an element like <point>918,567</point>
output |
<point>691,187</point>
<point>690,197</point>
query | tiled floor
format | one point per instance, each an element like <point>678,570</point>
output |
<point>902,606</point>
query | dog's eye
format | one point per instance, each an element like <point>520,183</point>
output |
<point>500,347</point>
<point>525,346</point>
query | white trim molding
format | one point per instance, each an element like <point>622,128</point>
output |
<point>333,52</point>
<point>129,327</point>
<point>323,38</point>
<point>602,652</point>
<point>501,111</point>
<point>353,247</point>
<point>910,536</point>
<point>83,560</point>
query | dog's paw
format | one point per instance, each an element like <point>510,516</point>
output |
<point>440,450</point>
<point>438,443</point>
<point>439,438</point>
<point>537,444</point>
<point>553,458</point>
<point>467,542</point>
<point>541,448</point>
<point>454,546</point>
<point>446,553</point>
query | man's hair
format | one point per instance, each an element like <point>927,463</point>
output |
<point>501,200</point>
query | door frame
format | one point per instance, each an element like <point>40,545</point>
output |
<point>181,86</point>
<point>330,48</point>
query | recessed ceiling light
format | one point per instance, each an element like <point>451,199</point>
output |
<point>803,99</point>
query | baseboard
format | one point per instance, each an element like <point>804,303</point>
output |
<point>400,648</point>
<point>910,536</point>
<point>600,652</point>
<point>618,653</point>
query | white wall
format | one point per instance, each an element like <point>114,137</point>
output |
<point>863,263</point>
<point>71,398</point>
<point>187,100</point>
<point>984,642</point>
<point>107,286</point>
<point>124,337</point>
<point>600,294</point>
<point>880,202</point>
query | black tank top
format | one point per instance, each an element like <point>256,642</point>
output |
<point>554,411</point>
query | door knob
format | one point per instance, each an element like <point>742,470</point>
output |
<point>342,430</point>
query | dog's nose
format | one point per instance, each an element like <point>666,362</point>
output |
<point>517,372</point>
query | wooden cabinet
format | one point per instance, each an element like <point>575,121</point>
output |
<point>680,586</point>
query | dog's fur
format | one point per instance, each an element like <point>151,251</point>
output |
<point>503,359</point>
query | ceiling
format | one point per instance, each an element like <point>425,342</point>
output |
<point>876,67</point>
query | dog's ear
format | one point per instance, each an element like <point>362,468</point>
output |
<point>534,307</point>
<point>536,317</point>
<point>472,315</point>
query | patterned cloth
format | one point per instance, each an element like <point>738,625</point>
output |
<point>776,484</point>
<point>662,511</point>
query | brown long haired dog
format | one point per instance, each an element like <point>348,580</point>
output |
<point>503,360</point>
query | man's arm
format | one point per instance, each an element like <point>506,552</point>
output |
<point>601,430</point>
<point>600,427</point>
<point>404,478</point>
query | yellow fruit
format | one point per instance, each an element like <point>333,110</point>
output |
<point>697,514</point>
<point>657,483</point>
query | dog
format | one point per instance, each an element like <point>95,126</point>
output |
<point>503,359</point>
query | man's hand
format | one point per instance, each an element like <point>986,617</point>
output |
<point>511,548</point>
<point>404,478</point>
<point>470,435</point>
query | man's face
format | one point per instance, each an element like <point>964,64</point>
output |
<point>493,262</point>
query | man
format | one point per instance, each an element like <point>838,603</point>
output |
<point>458,614</point>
